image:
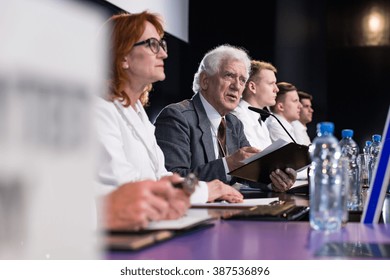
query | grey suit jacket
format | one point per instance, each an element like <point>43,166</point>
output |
<point>184,135</point>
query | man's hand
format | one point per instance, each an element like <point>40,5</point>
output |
<point>219,190</point>
<point>283,181</point>
<point>234,161</point>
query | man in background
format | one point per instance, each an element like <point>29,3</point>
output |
<point>260,92</point>
<point>287,109</point>
<point>305,117</point>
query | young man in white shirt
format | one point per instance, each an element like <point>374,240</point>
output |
<point>287,109</point>
<point>305,117</point>
<point>260,91</point>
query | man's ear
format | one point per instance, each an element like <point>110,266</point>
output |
<point>251,86</point>
<point>204,81</point>
<point>280,106</point>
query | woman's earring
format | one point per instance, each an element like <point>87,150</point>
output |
<point>125,65</point>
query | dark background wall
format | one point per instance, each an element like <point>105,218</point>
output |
<point>315,45</point>
<point>358,74</point>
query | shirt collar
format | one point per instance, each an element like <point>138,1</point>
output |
<point>212,114</point>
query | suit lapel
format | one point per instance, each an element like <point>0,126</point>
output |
<point>204,126</point>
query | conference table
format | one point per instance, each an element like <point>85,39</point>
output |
<point>227,239</point>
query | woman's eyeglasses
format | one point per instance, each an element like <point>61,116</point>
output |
<point>154,44</point>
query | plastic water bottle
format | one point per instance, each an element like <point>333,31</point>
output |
<point>326,180</point>
<point>366,174</point>
<point>363,162</point>
<point>374,153</point>
<point>366,148</point>
<point>350,151</point>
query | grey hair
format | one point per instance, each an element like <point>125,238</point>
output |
<point>213,59</point>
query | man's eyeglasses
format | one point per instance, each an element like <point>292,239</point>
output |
<point>154,44</point>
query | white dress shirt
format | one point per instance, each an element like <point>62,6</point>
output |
<point>256,132</point>
<point>129,150</point>
<point>276,131</point>
<point>301,133</point>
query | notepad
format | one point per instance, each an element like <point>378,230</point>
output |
<point>158,231</point>
<point>124,242</point>
<point>179,224</point>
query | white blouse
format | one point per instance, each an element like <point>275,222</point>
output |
<point>129,150</point>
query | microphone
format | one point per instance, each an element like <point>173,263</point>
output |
<point>264,112</point>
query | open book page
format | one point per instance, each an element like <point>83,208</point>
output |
<point>300,186</point>
<point>273,147</point>
<point>299,183</point>
<point>302,173</point>
<point>247,203</point>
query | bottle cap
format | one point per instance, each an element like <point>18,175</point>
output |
<point>347,133</point>
<point>325,127</point>
<point>376,137</point>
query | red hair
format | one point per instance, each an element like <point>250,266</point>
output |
<point>127,29</point>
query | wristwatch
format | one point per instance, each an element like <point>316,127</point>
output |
<point>188,184</point>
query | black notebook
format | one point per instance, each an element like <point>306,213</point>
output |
<point>156,232</point>
<point>134,241</point>
<point>279,155</point>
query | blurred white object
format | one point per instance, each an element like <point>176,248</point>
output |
<point>51,65</point>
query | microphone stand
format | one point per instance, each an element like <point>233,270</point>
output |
<point>261,111</point>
